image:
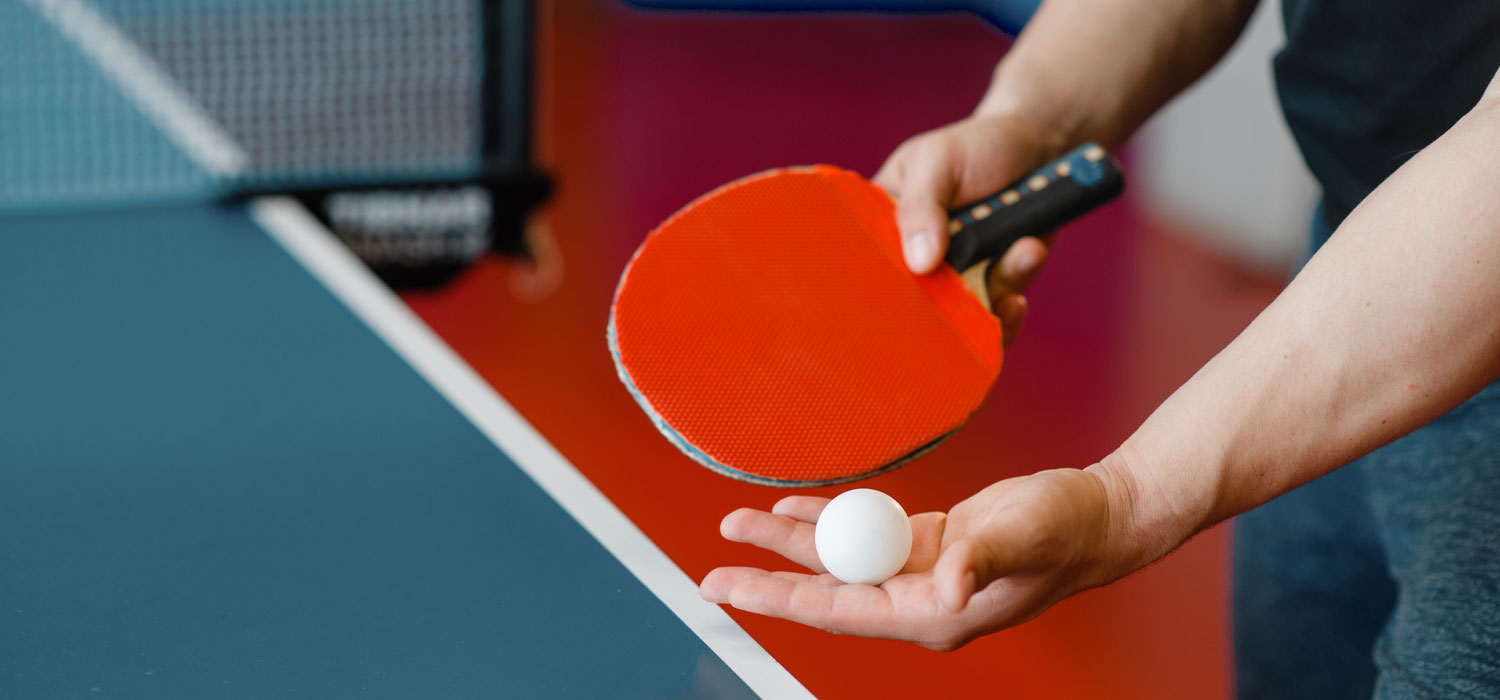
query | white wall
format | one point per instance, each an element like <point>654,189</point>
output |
<point>1218,164</point>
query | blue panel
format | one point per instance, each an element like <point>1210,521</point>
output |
<point>1009,16</point>
<point>216,483</point>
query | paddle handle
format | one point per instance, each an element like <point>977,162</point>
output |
<point>1053,195</point>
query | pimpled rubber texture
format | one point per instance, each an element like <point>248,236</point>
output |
<point>773,332</point>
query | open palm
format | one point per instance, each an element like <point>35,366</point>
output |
<point>997,559</point>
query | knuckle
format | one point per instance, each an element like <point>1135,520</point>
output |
<point>1026,537</point>
<point>920,145</point>
<point>960,512</point>
<point>939,148</point>
<point>938,143</point>
<point>1050,550</point>
<point>1032,536</point>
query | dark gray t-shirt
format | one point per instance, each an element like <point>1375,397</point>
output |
<point>1365,84</point>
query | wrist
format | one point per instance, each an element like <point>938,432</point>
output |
<point>1123,538</point>
<point>1015,96</point>
<point>1148,518</point>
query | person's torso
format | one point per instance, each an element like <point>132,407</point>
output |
<point>1365,84</point>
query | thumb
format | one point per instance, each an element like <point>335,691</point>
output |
<point>971,564</point>
<point>926,186</point>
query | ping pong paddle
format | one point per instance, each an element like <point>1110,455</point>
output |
<point>772,331</point>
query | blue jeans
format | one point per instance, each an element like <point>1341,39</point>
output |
<point>1382,578</point>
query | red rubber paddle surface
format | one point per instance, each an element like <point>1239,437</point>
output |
<point>774,327</point>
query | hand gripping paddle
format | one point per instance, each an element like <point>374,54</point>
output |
<point>772,331</point>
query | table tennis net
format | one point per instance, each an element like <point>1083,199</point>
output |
<point>124,100</point>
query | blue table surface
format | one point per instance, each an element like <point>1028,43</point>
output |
<point>216,482</point>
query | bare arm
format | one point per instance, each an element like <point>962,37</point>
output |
<point>1094,70</point>
<point>1394,322</point>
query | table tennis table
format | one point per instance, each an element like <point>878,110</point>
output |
<point>235,465</point>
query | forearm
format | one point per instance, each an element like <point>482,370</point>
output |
<point>1394,322</point>
<point>1096,69</point>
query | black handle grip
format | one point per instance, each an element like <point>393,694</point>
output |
<point>1063,190</point>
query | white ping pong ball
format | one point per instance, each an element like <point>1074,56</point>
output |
<point>863,536</point>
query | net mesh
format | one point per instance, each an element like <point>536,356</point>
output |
<point>131,99</point>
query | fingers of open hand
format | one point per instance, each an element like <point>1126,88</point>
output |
<point>819,601</point>
<point>803,508</point>
<point>926,541</point>
<point>790,528</point>
<point>790,537</point>
<point>926,529</point>
<point>901,608</point>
